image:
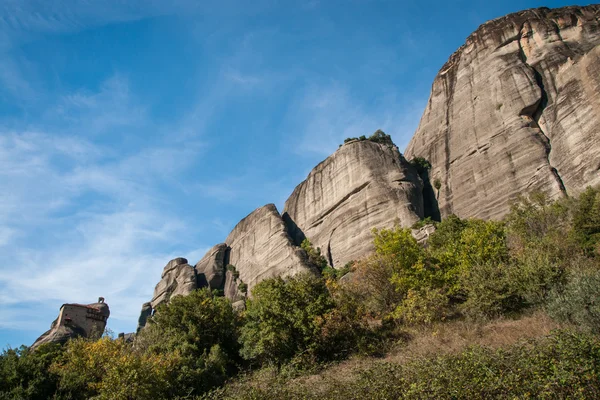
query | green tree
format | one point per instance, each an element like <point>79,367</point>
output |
<point>109,369</point>
<point>203,329</point>
<point>283,319</point>
<point>24,374</point>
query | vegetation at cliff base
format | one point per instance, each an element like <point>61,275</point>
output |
<point>543,257</point>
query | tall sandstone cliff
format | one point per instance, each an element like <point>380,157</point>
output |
<point>515,109</point>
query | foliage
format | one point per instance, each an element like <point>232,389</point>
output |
<point>243,287</point>
<point>578,302</point>
<point>202,328</point>
<point>284,318</point>
<point>423,306</point>
<point>24,374</point>
<point>437,184</point>
<point>562,365</point>
<point>381,137</point>
<point>378,137</point>
<point>314,255</point>
<point>110,369</point>
<point>421,165</point>
<point>234,272</point>
<point>586,221</point>
<point>423,222</point>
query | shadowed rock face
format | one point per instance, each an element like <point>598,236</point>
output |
<point>261,248</point>
<point>514,110</point>
<point>363,185</point>
<point>211,269</point>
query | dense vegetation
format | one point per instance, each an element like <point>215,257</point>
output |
<point>378,137</point>
<point>544,255</point>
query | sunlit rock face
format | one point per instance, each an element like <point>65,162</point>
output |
<point>178,278</point>
<point>76,320</point>
<point>515,109</point>
<point>363,185</point>
<point>261,248</point>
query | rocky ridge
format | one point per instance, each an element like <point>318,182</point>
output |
<point>363,185</point>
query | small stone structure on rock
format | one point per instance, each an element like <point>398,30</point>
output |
<point>76,320</point>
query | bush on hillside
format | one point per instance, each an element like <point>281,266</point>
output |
<point>283,319</point>
<point>578,302</point>
<point>109,369</point>
<point>203,329</point>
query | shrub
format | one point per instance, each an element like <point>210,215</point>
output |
<point>491,290</point>
<point>283,319</point>
<point>109,369</point>
<point>314,255</point>
<point>243,287</point>
<point>381,137</point>
<point>586,220</point>
<point>421,165</point>
<point>564,365</point>
<point>579,301</point>
<point>203,328</point>
<point>423,306</point>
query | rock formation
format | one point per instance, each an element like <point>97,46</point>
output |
<point>178,278</point>
<point>211,269</point>
<point>515,109</point>
<point>76,320</point>
<point>257,248</point>
<point>363,185</point>
<point>260,248</point>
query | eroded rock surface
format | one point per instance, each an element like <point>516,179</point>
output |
<point>261,248</point>
<point>211,269</point>
<point>515,109</point>
<point>178,278</point>
<point>363,185</point>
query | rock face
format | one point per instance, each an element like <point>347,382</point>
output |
<point>515,109</point>
<point>211,269</point>
<point>178,278</point>
<point>76,320</point>
<point>260,248</point>
<point>363,185</point>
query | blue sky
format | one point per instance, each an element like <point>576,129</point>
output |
<point>133,132</point>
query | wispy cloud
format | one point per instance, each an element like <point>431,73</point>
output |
<point>79,219</point>
<point>324,115</point>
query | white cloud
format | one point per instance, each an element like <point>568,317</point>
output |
<point>80,220</point>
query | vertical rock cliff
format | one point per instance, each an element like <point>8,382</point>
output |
<point>363,185</point>
<point>515,109</point>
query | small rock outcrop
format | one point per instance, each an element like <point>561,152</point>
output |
<point>178,278</point>
<point>76,320</point>
<point>514,110</point>
<point>363,185</point>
